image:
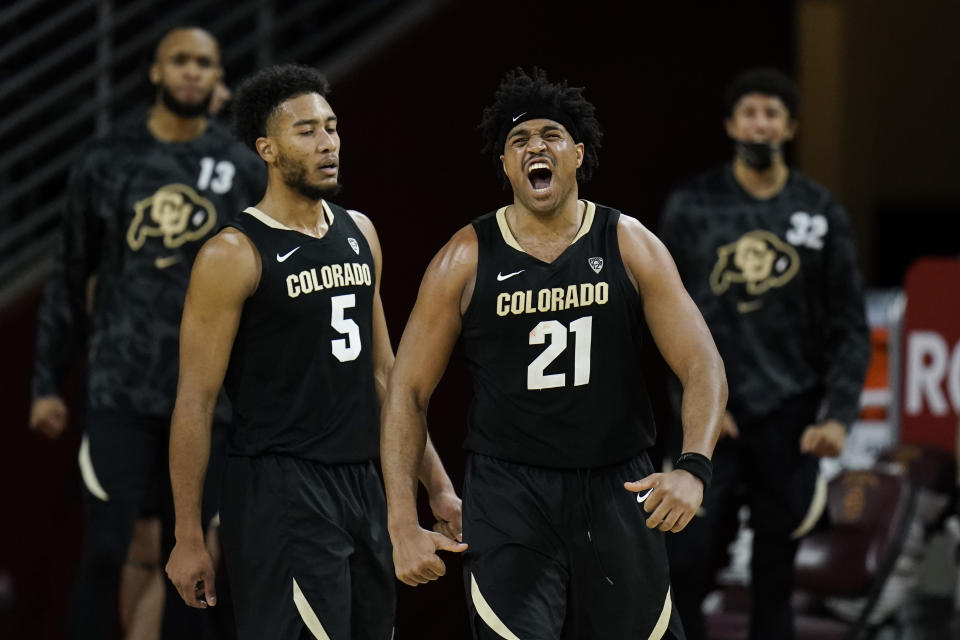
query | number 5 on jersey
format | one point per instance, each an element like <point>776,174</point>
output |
<point>344,349</point>
<point>582,328</point>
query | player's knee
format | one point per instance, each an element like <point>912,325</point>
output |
<point>104,553</point>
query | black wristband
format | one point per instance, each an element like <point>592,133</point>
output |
<point>697,465</point>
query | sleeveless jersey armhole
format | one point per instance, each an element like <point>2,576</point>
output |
<point>238,225</point>
<point>630,286</point>
<point>470,311</point>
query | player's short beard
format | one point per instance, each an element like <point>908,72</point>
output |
<point>294,176</point>
<point>184,109</point>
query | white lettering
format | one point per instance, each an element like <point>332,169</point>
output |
<point>293,285</point>
<point>926,366</point>
<point>306,284</point>
<point>327,276</point>
<point>503,302</point>
<point>603,290</point>
<point>337,275</point>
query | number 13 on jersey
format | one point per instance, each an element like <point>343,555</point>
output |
<point>582,330</point>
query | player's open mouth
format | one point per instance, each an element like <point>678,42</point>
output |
<point>330,168</point>
<point>539,175</point>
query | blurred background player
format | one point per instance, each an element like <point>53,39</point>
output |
<point>768,256</point>
<point>141,200</point>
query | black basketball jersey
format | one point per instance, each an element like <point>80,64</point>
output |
<point>777,283</point>
<point>300,377</point>
<point>137,212</point>
<point>555,350</point>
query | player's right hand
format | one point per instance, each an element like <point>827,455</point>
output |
<point>190,569</point>
<point>415,558</point>
<point>48,416</point>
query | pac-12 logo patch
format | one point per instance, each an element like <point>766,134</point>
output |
<point>354,245</point>
<point>595,263</point>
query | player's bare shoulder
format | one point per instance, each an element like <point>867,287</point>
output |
<point>642,252</point>
<point>458,257</point>
<point>452,272</point>
<point>364,223</point>
<point>231,258</point>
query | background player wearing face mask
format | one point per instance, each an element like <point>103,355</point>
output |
<point>767,255</point>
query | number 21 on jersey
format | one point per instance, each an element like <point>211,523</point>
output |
<point>582,330</point>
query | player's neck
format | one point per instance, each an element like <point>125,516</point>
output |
<point>567,214</point>
<point>545,234</point>
<point>761,184</point>
<point>292,209</point>
<point>167,126</point>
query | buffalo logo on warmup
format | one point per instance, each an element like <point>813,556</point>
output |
<point>176,213</point>
<point>759,261</point>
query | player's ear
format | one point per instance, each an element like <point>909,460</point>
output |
<point>579,148</point>
<point>730,127</point>
<point>503,166</point>
<point>791,129</point>
<point>154,74</point>
<point>265,148</point>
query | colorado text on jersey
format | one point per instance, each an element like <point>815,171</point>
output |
<point>330,276</point>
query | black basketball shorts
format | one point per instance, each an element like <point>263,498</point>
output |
<point>562,554</point>
<point>307,549</point>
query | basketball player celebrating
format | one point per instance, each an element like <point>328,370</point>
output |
<point>551,295</point>
<point>288,296</point>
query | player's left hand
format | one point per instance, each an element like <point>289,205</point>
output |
<point>190,569</point>
<point>447,509</point>
<point>824,440</point>
<point>670,499</point>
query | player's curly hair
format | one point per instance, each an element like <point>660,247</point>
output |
<point>766,80</point>
<point>259,95</point>
<point>521,92</point>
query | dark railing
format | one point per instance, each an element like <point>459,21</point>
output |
<point>66,71</point>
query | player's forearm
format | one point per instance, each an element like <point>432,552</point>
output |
<point>189,455</point>
<point>432,475</point>
<point>703,403</point>
<point>403,439</point>
<point>56,340</point>
<point>848,344</point>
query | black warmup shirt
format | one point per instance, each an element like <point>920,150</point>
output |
<point>777,283</point>
<point>136,214</point>
<point>555,350</point>
<point>300,377</point>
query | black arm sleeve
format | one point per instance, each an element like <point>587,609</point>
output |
<point>61,317</point>
<point>847,337</point>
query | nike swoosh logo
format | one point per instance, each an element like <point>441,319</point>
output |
<point>747,307</point>
<point>163,263</point>
<point>641,498</point>
<point>281,258</point>
<point>501,277</point>
<point>515,118</point>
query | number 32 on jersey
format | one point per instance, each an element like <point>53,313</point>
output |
<point>582,330</point>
